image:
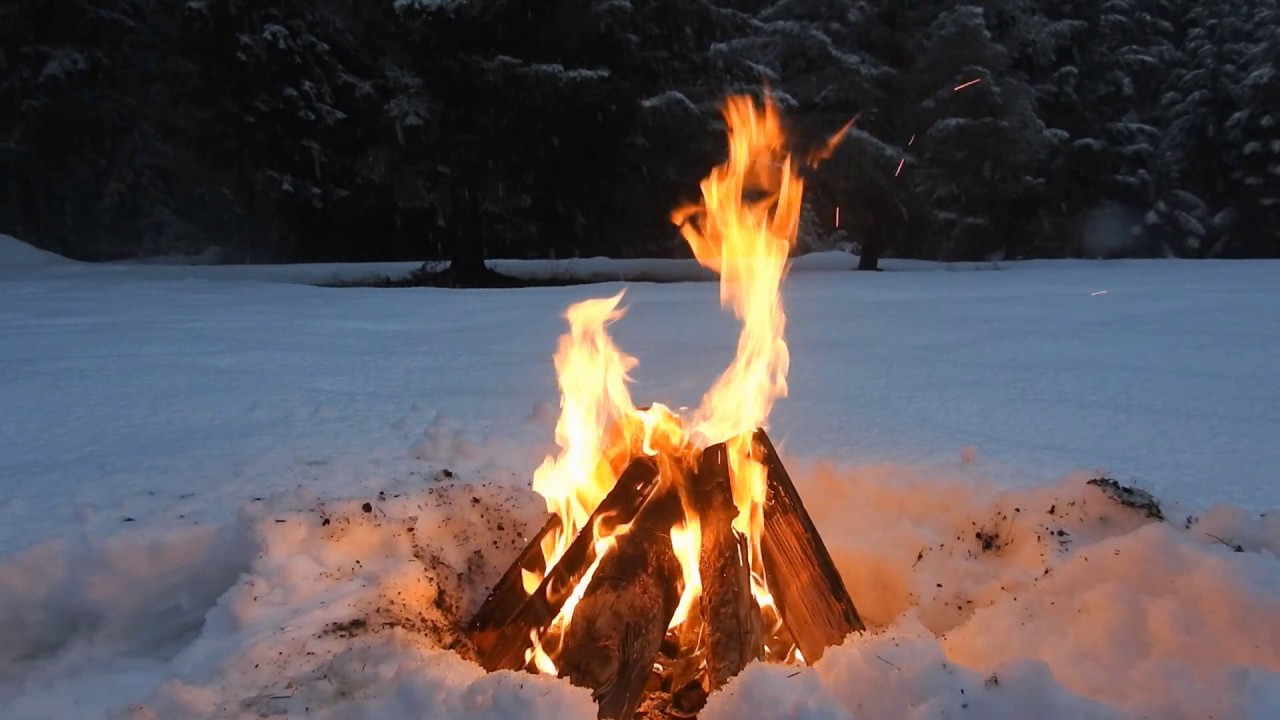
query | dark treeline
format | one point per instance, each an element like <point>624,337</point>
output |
<point>381,129</point>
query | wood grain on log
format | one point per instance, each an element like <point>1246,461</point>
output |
<point>506,597</point>
<point>730,616</point>
<point>503,647</point>
<point>618,626</point>
<point>805,584</point>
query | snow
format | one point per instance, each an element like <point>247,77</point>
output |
<point>428,5</point>
<point>669,99</point>
<point>187,454</point>
<point>63,63</point>
<point>17,255</point>
<point>558,71</point>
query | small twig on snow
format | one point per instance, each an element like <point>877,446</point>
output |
<point>886,662</point>
<point>1233,545</point>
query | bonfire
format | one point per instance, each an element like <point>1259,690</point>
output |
<point>678,550</point>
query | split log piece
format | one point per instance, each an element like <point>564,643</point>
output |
<point>805,584</point>
<point>730,616</point>
<point>506,597</point>
<point>619,625</point>
<point>508,594</point>
<point>503,647</point>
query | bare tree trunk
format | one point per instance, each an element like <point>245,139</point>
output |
<point>869,258</point>
<point>466,263</point>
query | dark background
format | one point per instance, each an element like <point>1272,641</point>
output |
<point>373,129</point>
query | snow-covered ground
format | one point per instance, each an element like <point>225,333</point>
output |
<point>187,455</point>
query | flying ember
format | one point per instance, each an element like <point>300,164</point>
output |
<point>678,549</point>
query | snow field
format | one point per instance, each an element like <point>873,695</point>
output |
<point>187,455</point>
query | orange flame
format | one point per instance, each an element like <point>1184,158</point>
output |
<point>745,229</point>
<point>592,373</point>
<point>829,147</point>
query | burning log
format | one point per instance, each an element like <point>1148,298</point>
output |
<point>730,616</point>
<point>504,646</point>
<point>618,627</point>
<point>506,597</point>
<point>805,583</point>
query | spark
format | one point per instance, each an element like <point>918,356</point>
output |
<point>913,139</point>
<point>1097,292</point>
<point>837,216</point>
<point>962,86</point>
<point>901,162</point>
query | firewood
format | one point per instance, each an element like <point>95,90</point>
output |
<point>730,615</point>
<point>509,594</point>
<point>619,625</point>
<point>503,647</point>
<point>506,597</point>
<point>805,584</point>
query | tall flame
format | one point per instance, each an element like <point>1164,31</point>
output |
<point>592,373</point>
<point>744,229</point>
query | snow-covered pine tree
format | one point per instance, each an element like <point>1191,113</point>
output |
<point>1201,190</point>
<point>91,167</point>
<point>1097,69</point>
<point>1248,225</point>
<point>818,57</point>
<point>290,93</point>
<point>980,144</point>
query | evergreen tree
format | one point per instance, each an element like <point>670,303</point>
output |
<point>87,137</point>
<point>981,144</point>
<point>348,129</point>
<point>1204,194</point>
<point>1249,223</point>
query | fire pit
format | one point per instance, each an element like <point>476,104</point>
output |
<point>678,549</point>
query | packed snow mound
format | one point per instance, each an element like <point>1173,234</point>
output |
<point>15,253</point>
<point>1060,601</point>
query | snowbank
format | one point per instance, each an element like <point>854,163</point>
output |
<point>16,254</point>
<point>1051,602</point>
<point>19,256</point>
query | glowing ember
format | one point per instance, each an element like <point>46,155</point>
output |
<point>964,85</point>
<point>829,147</point>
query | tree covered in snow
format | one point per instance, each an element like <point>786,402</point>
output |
<point>87,158</point>
<point>1253,149</point>
<point>460,129</point>
<point>1098,69</point>
<point>1218,177</point>
<point>289,91</point>
<point>973,170</point>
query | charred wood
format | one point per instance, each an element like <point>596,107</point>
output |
<point>506,597</point>
<point>619,625</point>
<point>503,647</point>
<point>730,616</point>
